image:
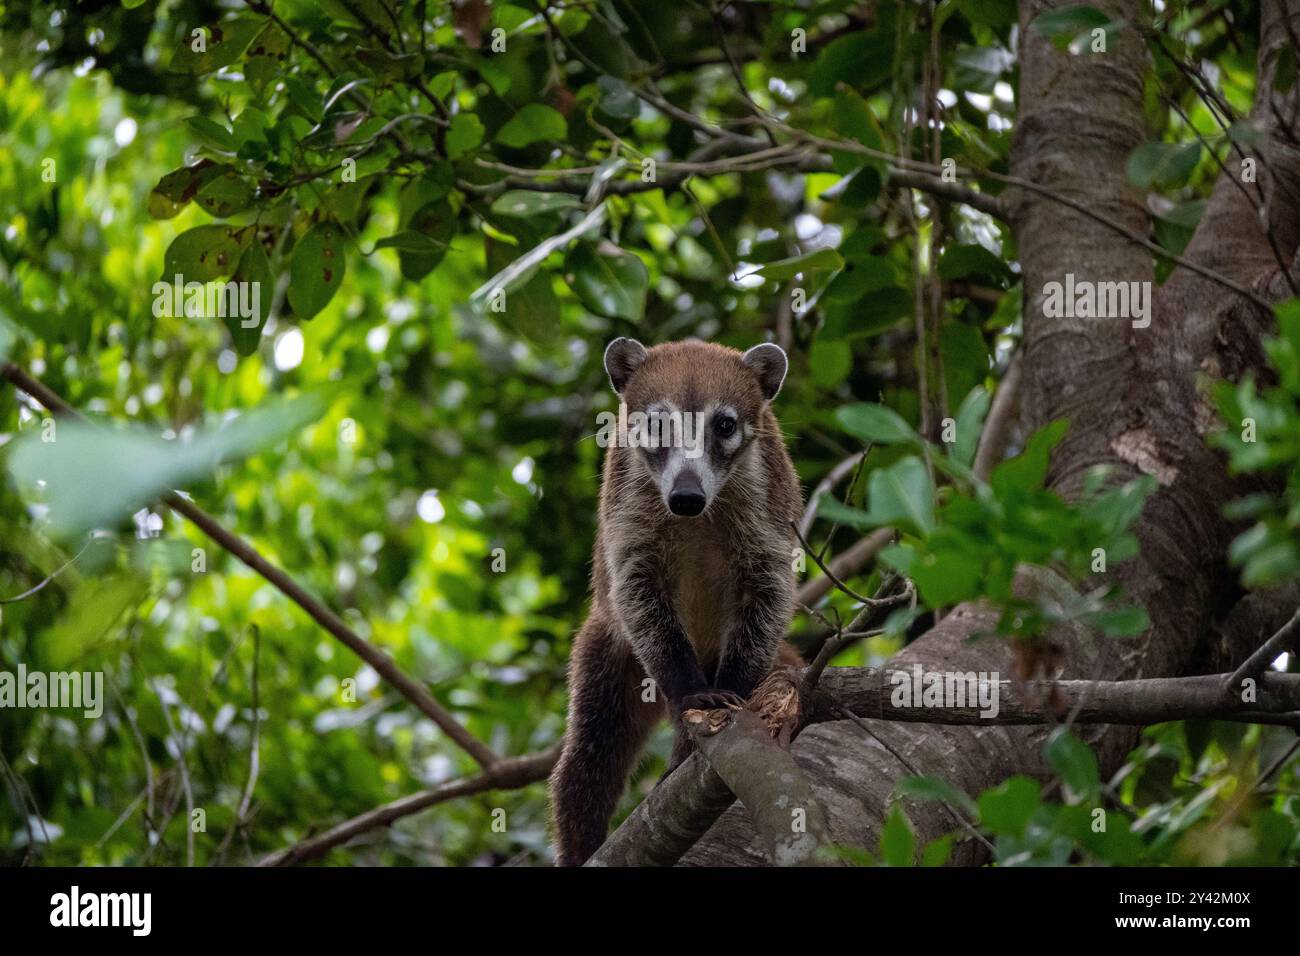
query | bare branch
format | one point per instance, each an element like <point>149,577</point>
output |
<point>828,483</point>
<point>765,778</point>
<point>868,692</point>
<point>1255,665</point>
<point>51,576</point>
<point>509,773</point>
<point>993,439</point>
<point>844,565</point>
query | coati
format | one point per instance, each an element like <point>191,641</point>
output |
<point>692,586</point>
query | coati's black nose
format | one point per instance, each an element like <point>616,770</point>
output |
<point>687,504</point>
<point>687,497</point>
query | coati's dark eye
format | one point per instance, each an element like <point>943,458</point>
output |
<point>725,425</point>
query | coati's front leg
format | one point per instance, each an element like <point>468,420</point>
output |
<point>752,648</point>
<point>659,640</point>
<point>766,609</point>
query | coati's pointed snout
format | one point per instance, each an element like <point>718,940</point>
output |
<point>686,499</point>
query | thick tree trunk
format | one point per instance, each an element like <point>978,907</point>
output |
<point>1131,395</point>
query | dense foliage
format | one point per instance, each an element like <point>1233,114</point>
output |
<point>406,422</point>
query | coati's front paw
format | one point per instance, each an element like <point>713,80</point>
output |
<point>715,698</point>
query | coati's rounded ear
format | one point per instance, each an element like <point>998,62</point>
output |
<point>769,363</point>
<point>623,356</point>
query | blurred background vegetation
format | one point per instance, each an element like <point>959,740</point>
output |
<point>442,430</point>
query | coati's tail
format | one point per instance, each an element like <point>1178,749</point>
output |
<point>608,724</point>
<point>787,656</point>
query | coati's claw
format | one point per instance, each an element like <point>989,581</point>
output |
<point>712,699</point>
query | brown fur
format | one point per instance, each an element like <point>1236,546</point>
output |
<point>697,604</point>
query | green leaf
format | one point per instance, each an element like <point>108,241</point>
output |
<point>431,187</point>
<point>1064,25</point>
<point>897,842</point>
<point>316,269</point>
<point>858,278</point>
<point>178,187</point>
<point>535,123</point>
<point>935,789</point>
<point>391,67</point>
<point>531,307</point>
<point>1120,622</point>
<point>254,268</point>
<point>876,424</point>
<point>1007,808</point>
<point>1174,229</point>
<point>524,203</point>
<point>802,264</point>
<point>410,241</point>
<point>222,44</point>
<point>859,245</point>
<point>944,574</point>
<point>436,222</point>
<point>1163,165</point>
<point>978,69</point>
<point>995,14</point>
<point>969,423</point>
<point>971,260</point>
<point>266,56</point>
<point>852,118</point>
<point>833,510</point>
<point>902,496</point>
<point>212,133</point>
<point>860,59</point>
<point>937,851</point>
<point>617,101</point>
<point>1027,471</point>
<point>1075,762</point>
<point>92,615</point>
<point>98,477</point>
<point>829,361</point>
<point>205,253</point>
<point>610,281</point>
<point>225,194</point>
<point>464,134</point>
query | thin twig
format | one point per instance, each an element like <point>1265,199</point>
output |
<point>53,574</point>
<point>869,602</point>
<point>1269,651</point>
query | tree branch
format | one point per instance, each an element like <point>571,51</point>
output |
<point>765,778</point>
<point>576,180</point>
<point>1255,665</point>
<point>844,565</point>
<point>869,692</point>
<point>686,804</point>
<point>385,666</point>
<point>993,439</point>
<point>508,773</point>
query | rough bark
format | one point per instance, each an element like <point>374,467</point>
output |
<point>1131,397</point>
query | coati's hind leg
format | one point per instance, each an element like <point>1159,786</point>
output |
<point>608,725</point>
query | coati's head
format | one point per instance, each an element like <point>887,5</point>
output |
<point>705,403</point>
